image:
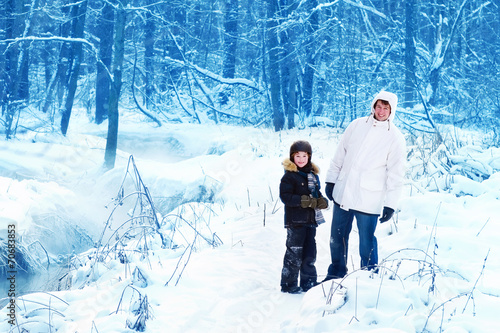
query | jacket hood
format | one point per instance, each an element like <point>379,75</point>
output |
<point>389,97</point>
<point>288,165</point>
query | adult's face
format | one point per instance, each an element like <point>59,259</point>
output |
<point>382,111</point>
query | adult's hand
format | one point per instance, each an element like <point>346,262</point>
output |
<point>329,190</point>
<point>386,214</point>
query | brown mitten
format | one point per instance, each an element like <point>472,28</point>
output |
<point>322,203</point>
<point>307,201</point>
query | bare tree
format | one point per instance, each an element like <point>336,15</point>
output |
<point>272,59</point>
<point>149,53</point>
<point>230,43</point>
<point>274,64</point>
<point>78,14</point>
<point>104,31</point>
<point>410,52</point>
<point>15,85</point>
<point>116,83</point>
<point>311,56</point>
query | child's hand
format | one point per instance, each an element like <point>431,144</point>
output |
<point>307,201</point>
<point>322,203</point>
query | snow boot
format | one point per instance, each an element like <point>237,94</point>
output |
<point>291,290</point>
<point>309,285</point>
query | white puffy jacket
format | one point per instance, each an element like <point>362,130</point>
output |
<point>369,165</point>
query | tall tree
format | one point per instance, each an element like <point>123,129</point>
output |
<point>274,65</point>
<point>442,48</point>
<point>230,43</point>
<point>310,57</point>
<point>149,46</point>
<point>79,12</point>
<point>116,83</point>
<point>15,84</point>
<point>288,54</point>
<point>104,32</point>
<point>311,53</point>
<point>59,81</point>
<point>176,18</point>
<point>410,52</point>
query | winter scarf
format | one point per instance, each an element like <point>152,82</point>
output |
<point>313,187</point>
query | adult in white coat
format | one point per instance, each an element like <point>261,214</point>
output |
<point>365,179</point>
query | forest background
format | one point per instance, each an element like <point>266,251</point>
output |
<point>196,89</point>
<point>280,64</point>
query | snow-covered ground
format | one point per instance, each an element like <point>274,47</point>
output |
<point>92,234</point>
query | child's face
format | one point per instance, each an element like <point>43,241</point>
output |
<point>301,158</point>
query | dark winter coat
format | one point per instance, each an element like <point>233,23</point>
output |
<point>293,185</point>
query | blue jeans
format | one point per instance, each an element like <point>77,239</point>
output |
<point>339,240</point>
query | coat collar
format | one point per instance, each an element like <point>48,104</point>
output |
<point>376,123</point>
<point>290,166</point>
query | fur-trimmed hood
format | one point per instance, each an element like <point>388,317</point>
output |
<point>290,166</point>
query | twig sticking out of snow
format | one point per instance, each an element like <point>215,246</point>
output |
<point>190,248</point>
<point>143,222</point>
<point>483,226</point>
<point>441,306</point>
<point>475,284</point>
<point>138,307</point>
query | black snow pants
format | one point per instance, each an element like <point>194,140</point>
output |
<point>300,257</point>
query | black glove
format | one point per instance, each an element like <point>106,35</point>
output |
<point>329,190</point>
<point>322,203</point>
<point>386,214</point>
<point>307,201</point>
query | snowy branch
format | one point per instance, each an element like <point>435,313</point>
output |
<point>440,51</point>
<point>216,77</point>
<point>59,39</point>
<point>366,8</point>
<point>149,115</point>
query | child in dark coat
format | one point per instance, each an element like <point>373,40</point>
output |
<point>300,192</point>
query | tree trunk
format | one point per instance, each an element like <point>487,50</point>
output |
<point>25,20</point>
<point>410,53</point>
<point>149,43</point>
<point>290,90</point>
<point>11,56</point>
<point>441,53</point>
<point>116,83</point>
<point>274,68</point>
<point>230,45</point>
<point>59,81</point>
<point>438,59</point>
<point>288,56</point>
<point>175,14</point>
<point>15,23</point>
<point>79,13</point>
<point>308,79</point>
<point>23,91</point>
<point>105,34</point>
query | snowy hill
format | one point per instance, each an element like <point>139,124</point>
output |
<point>187,236</point>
